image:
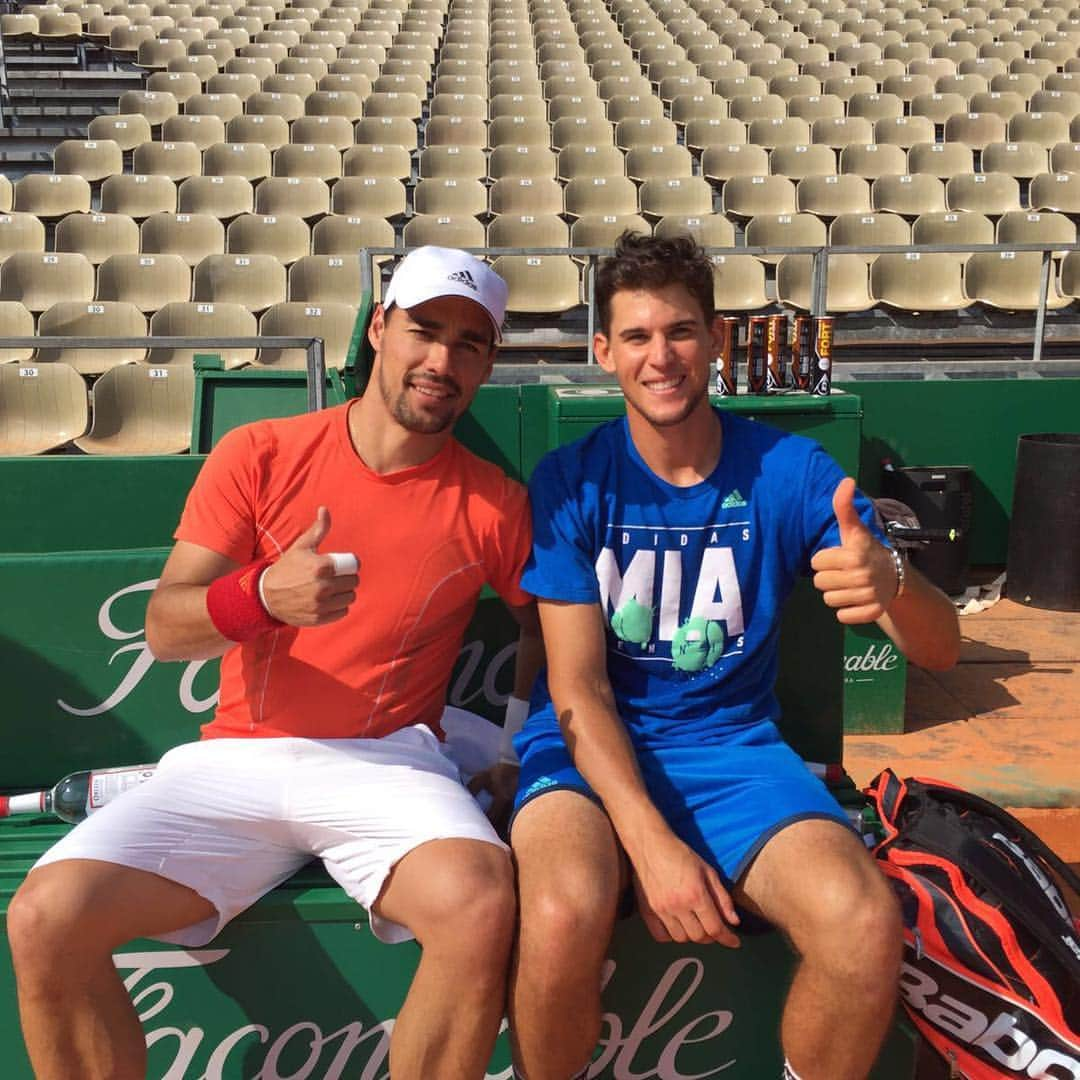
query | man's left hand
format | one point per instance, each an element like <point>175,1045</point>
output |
<point>858,578</point>
<point>500,781</point>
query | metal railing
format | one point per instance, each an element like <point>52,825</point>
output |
<point>819,274</point>
<point>313,347</point>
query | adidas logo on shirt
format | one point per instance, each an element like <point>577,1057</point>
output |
<point>733,501</point>
<point>465,278</point>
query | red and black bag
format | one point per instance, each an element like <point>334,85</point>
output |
<point>991,973</point>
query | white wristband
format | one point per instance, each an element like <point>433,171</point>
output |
<point>344,563</point>
<point>517,712</point>
<point>262,596</point>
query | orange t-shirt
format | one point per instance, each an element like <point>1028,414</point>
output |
<point>428,538</point>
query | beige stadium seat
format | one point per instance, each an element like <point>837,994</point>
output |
<point>156,107</point>
<point>709,230</point>
<point>991,194</point>
<point>751,196</point>
<point>1009,280</point>
<point>386,131</point>
<point>249,160</point>
<point>975,129</point>
<point>705,131</point>
<point>193,236</point>
<point>325,279</point>
<point>458,131</point>
<point>1070,275</point>
<point>1032,227</point>
<point>138,195</point>
<point>142,410</point>
<point>797,162</point>
<point>780,131</point>
<point>242,84</point>
<point>539,284</point>
<point>147,281</point>
<point>952,227</point>
<point>739,283</point>
<point>7,195</point>
<point>602,230</point>
<point>333,322</point>
<point>1022,160</point>
<point>528,231</point>
<point>197,130</point>
<point>784,230</point>
<point>940,159</point>
<point>42,407</point>
<point>285,236</point>
<point>600,195</point>
<point>317,160</point>
<point>389,162</point>
<point>307,197</point>
<point>525,196</point>
<point>875,107</point>
<point>50,196</point>
<point>341,234</point>
<point>910,195</point>
<point>287,105</point>
<point>919,281</point>
<point>97,236</point>
<point>748,107</point>
<point>838,132</point>
<point>254,281</point>
<point>271,131</point>
<point>450,197</point>
<point>722,163</point>
<point>377,196</point>
<point>443,230</point>
<point>39,281</point>
<point>441,162</point>
<point>686,195</point>
<point>225,107</point>
<point>75,318</point>
<point>847,284</point>
<point>457,105</point>
<point>584,160</point>
<point>535,105</point>
<point>1044,129</point>
<point>829,196</point>
<point>173,160</point>
<point>686,108</point>
<point>874,230</point>
<point>645,131</point>
<point>660,162</point>
<point>1065,103</point>
<point>1005,105</point>
<point>938,107</point>
<point>627,106</point>
<point>390,104</point>
<point>224,197</point>
<point>581,131</point>
<point>335,131</point>
<point>20,232</point>
<point>411,83</point>
<point>520,162</point>
<point>15,322</point>
<point>92,159</point>
<point>1055,191</point>
<point>203,66</point>
<point>502,131</point>
<point>904,131</point>
<point>205,320</point>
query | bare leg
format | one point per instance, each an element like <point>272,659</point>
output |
<point>63,925</point>
<point>570,872</point>
<point>818,884</point>
<point>457,897</point>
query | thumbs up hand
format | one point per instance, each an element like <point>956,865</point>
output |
<point>304,588</point>
<point>858,578</point>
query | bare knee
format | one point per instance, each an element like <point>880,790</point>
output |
<point>572,911</point>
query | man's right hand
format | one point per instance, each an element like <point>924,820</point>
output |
<point>301,588</point>
<point>681,897</point>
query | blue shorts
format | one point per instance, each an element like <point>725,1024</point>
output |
<point>724,800</point>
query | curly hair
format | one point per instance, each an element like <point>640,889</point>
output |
<point>652,262</point>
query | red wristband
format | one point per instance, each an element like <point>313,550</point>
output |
<point>234,607</point>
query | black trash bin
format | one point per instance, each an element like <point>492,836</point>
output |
<point>940,496</point>
<point>1044,535</point>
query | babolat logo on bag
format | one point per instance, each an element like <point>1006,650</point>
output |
<point>464,277</point>
<point>991,974</point>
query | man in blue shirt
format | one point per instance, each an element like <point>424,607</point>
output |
<point>664,547</point>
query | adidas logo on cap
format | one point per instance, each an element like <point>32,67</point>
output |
<point>464,277</point>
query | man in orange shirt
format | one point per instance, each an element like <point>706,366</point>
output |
<point>333,561</point>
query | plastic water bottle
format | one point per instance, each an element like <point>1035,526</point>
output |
<point>78,794</point>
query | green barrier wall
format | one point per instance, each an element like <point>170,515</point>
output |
<point>972,422</point>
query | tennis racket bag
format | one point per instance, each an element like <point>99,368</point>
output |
<point>991,972</point>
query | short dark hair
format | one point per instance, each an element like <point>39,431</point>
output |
<point>653,262</point>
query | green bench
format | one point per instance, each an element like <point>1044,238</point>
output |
<point>297,987</point>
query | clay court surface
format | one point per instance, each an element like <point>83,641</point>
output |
<point>1004,723</point>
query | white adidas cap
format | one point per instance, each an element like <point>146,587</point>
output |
<point>431,271</point>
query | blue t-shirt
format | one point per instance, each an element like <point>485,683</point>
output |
<point>691,580</point>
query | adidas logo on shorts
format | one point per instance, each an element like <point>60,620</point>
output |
<point>464,278</point>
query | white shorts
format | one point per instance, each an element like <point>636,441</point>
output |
<point>233,818</point>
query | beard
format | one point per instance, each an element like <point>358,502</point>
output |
<point>413,419</point>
